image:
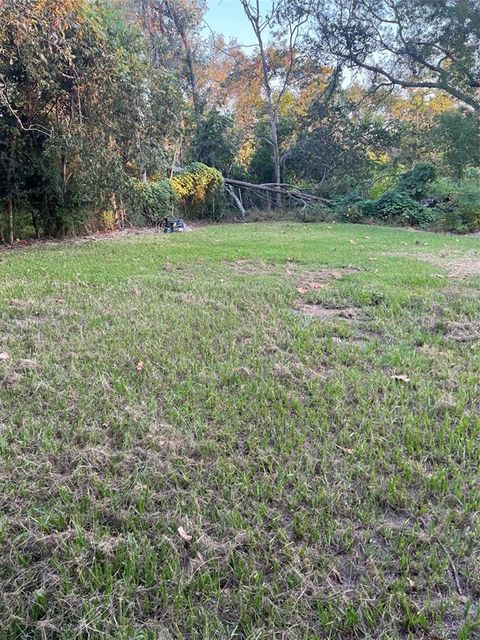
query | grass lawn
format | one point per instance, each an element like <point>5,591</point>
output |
<point>254,431</point>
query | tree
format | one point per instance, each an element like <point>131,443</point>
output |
<point>278,65</point>
<point>173,28</point>
<point>457,137</point>
<point>81,109</point>
<point>424,44</point>
<point>213,142</point>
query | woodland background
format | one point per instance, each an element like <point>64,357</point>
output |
<point>119,112</point>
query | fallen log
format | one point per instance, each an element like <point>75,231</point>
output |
<point>273,188</point>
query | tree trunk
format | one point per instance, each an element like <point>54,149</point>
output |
<point>237,200</point>
<point>35,225</point>
<point>189,57</point>
<point>275,151</point>
<point>254,19</point>
<point>10,220</point>
<point>272,116</point>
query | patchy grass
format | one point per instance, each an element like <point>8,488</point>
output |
<point>322,468</point>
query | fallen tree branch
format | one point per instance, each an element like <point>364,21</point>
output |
<point>288,190</point>
<point>230,190</point>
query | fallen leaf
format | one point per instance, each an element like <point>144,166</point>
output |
<point>314,285</point>
<point>400,377</point>
<point>183,534</point>
<point>139,366</point>
<point>302,291</point>
<point>4,356</point>
<point>335,575</point>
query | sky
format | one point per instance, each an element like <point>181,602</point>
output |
<point>227,17</point>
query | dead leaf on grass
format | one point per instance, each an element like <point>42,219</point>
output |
<point>139,366</point>
<point>400,377</point>
<point>335,576</point>
<point>183,534</point>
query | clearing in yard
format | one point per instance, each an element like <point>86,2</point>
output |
<point>253,432</point>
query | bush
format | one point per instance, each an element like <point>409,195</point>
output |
<point>393,206</point>
<point>154,199</point>
<point>459,202</point>
<point>351,208</point>
<point>398,206</point>
<point>199,191</point>
<point>416,181</point>
<point>195,192</point>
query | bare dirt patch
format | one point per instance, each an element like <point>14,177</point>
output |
<point>250,267</point>
<point>467,331</point>
<point>313,280</point>
<point>456,266</point>
<point>327,313</point>
<point>462,267</point>
<point>319,279</point>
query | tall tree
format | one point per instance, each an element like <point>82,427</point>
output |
<point>275,84</point>
<point>174,29</point>
<point>427,44</point>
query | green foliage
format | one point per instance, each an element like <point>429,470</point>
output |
<point>261,167</point>
<point>335,150</point>
<point>198,191</point>
<point>457,137</point>
<point>459,202</point>
<point>154,200</point>
<point>213,143</point>
<point>416,181</point>
<point>399,207</point>
<point>195,192</point>
<point>102,112</point>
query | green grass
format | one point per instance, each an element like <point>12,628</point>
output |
<point>324,497</point>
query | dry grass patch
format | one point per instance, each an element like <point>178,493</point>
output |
<point>326,313</point>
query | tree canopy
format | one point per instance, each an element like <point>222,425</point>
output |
<point>334,98</point>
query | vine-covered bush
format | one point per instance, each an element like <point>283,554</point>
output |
<point>417,181</point>
<point>398,205</point>
<point>198,191</point>
<point>154,200</point>
<point>195,192</point>
<point>458,202</point>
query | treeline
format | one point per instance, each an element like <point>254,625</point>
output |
<point>82,111</point>
<point>102,102</point>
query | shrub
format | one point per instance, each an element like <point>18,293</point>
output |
<point>198,191</point>
<point>399,207</point>
<point>416,181</point>
<point>459,202</point>
<point>350,208</point>
<point>195,192</point>
<point>154,199</point>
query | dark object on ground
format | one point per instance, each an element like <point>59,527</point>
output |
<point>171,225</point>
<point>430,203</point>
